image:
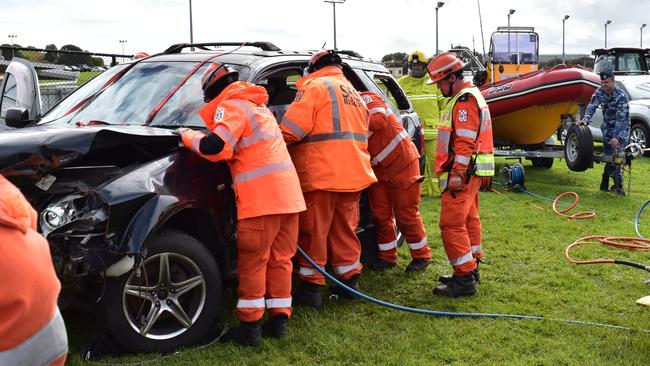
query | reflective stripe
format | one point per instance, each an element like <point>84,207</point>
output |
<point>387,246</point>
<point>442,183</point>
<point>255,303</point>
<point>258,172</point>
<point>336,117</point>
<point>390,147</point>
<point>484,166</point>
<point>344,269</point>
<point>284,302</point>
<point>444,135</point>
<point>378,110</point>
<point>485,114</point>
<point>260,136</point>
<point>333,136</point>
<point>243,104</point>
<point>293,127</point>
<point>442,145</point>
<point>477,248</point>
<point>463,132</point>
<point>454,179</point>
<point>421,244</point>
<point>463,259</point>
<point>444,67</point>
<point>225,135</point>
<point>424,96</point>
<point>43,348</point>
<point>462,159</point>
<point>306,271</point>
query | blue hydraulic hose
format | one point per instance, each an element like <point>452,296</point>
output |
<point>638,218</point>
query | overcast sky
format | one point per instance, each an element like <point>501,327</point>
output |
<point>371,27</point>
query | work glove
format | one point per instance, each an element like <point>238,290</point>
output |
<point>456,180</point>
<point>613,143</point>
<point>486,183</point>
<point>188,136</point>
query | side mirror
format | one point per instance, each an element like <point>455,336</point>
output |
<point>17,117</point>
<point>480,77</point>
<point>501,69</point>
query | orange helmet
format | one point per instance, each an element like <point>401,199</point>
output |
<point>140,55</point>
<point>443,65</point>
<point>216,78</point>
<point>323,58</point>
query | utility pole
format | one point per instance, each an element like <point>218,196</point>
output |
<point>334,2</point>
<point>191,27</point>
<point>12,37</point>
<point>606,24</point>
<point>641,42</point>
<point>122,41</point>
<point>438,6</point>
<point>563,20</point>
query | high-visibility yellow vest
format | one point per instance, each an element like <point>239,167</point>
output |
<point>483,157</point>
<point>427,102</point>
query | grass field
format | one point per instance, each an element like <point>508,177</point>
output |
<point>525,273</point>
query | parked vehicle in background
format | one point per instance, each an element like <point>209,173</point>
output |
<point>142,231</point>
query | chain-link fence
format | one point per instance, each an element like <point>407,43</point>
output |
<point>60,72</point>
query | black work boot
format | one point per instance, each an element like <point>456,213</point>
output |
<point>604,182</point>
<point>276,326</point>
<point>446,279</point>
<point>381,265</point>
<point>352,282</point>
<point>246,334</point>
<point>458,286</point>
<point>618,186</point>
<point>417,265</point>
<point>308,294</point>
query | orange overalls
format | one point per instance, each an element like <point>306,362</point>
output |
<point>460,224</point>
<point>32,331</point>
<point>326,130</point>
<point>268,196</point>
<point>396,195</point>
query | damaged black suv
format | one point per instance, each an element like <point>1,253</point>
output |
<point>142,231</point>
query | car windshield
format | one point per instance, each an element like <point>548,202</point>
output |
<point>131,98</point>
<point>638,90</point>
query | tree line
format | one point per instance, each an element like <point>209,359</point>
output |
<point>51,56</point>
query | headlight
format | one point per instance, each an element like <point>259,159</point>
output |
<point>71,209</point>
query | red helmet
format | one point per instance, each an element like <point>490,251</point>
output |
<point>140,55</point>
<point>323,58</point>
<point>216,78</point>
<point>443,65</point>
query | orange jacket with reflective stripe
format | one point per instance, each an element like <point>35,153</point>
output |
<point>28,284</point>
<point>264,178</point>
<point>326,129</point>
<point>389,145</point>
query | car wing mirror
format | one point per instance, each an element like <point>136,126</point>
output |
<point>17,117</point>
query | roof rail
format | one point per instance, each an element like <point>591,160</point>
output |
<point>515,29</point>
<point>350,53</point>
<point>264,46</point>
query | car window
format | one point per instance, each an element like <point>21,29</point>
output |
<point>182,108</point>
<point>280,84</point>
<point>65,106</point>
<point>8,96</point>
<point>389,88</point>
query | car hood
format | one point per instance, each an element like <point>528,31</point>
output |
<point>30,153</point>
<point>643,102</point>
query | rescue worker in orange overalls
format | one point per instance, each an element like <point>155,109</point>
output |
<point>268,197</point>
<point>397,193</point>
<point>464,164</point>
<point>326,130</point>
<point>32,331</point>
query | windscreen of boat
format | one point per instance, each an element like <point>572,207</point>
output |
<point>514,48</point>
<point>638,90</point>
<point>131,98</point>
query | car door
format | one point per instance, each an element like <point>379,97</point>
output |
<point>19,89</point>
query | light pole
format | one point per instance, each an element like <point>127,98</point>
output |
<point>12,37</point>
<point>334,2</point>
<point>191,32</point>
<point>563,20</point>
<point>606,24</point>
<point>641,43</point>
<point>510,12</point>
<point>122,41</point>
<point>438,6</point>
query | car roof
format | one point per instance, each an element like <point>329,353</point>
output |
<point>603,51</point>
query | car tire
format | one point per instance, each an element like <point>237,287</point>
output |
<point>191,268</point>
<point>544,163</point>
<point>639,133</point>
<point>579,148</point>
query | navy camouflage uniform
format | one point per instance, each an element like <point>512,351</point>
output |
<point>616,123</point>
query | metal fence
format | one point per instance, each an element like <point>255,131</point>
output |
<point>60,72</point>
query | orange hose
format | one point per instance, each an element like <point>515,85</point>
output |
<point>637,244</point>
<point>575,216</point>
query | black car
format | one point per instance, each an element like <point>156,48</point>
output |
<point>141,230</point>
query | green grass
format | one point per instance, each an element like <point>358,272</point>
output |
<point>525,273</point>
